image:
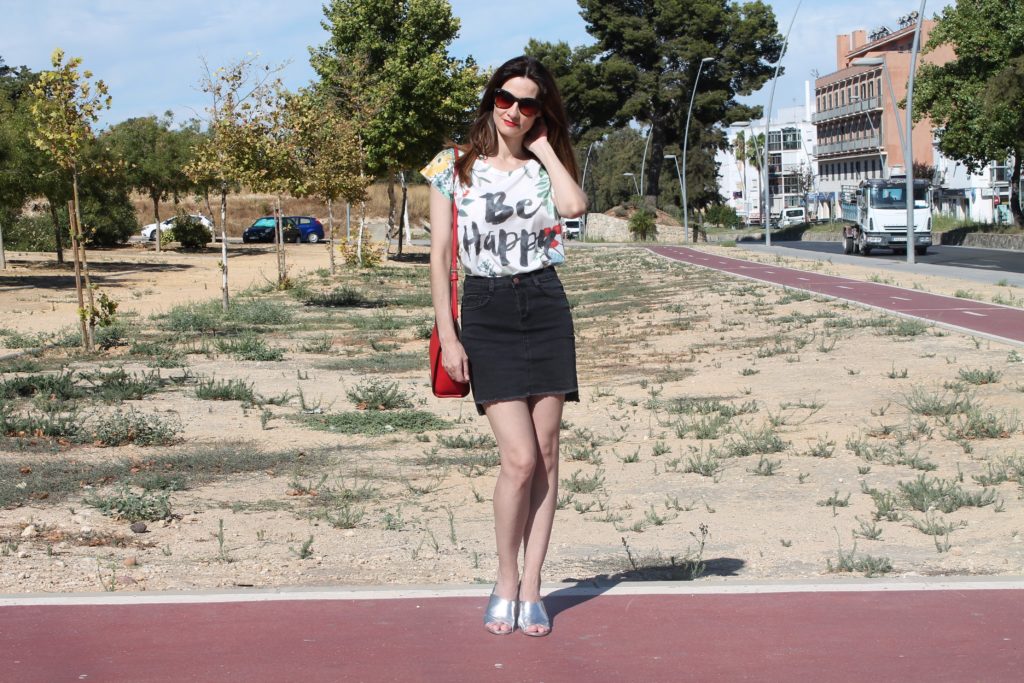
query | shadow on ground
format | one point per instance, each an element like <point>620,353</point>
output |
<point>409,258</point>
<point>568,597</point>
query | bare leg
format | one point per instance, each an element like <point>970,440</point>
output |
<point>513,429</point>
<point>546,412</point>
<point>525,494</point>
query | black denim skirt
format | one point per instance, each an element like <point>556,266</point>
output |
<point>518,334</point>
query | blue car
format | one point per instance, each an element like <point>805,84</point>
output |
<point>294,228</point>
<point>310,229</point>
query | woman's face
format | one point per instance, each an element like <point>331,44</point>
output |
<point>512,122</point>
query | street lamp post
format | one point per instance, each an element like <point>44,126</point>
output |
<point>633,176</point>
<point>767,123</point>
<point>686,137</point>
<point>679,175</point>
<point>583,184</point>
<point>911,237</point>
<point>643,161</point>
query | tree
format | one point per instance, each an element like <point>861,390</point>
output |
<point>326,157</point>
<point>65,106</point>
<point>643,66</point>
<point>240,95</point>
<point>15,183</point>
<point>970,99</point>
<point>614,155</point>
<point>386,65</point>
<point>154,158</point>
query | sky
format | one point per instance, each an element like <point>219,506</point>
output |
<point>149,53</point>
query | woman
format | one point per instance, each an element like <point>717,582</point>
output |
<point>511,183</point>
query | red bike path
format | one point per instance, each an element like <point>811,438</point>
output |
<point>975,317</point>
<point>820,633</point>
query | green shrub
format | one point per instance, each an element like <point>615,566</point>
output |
<point>250,347</point>
<point>133,507</point>
<point>375,423</point>
<point>35,233</point>
<point>118,385</point>
<point>189,232</point>
<point>108,217</point>
<point>642,226</point>
<point>722,215</point>
<point>209,316</point>
<point>341,297</point>
<point>122,428</point>
<point>226,390</point>
<point>60,386</point>
<point>379,394</point>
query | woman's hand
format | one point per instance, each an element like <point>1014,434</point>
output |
<point>455,361</point>
<point>537,134</point>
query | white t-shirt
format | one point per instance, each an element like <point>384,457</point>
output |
<point>507,219</point>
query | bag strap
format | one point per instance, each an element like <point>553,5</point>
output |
<point>454,271</point>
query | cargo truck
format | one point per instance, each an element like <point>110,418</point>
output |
<point>877,211</point>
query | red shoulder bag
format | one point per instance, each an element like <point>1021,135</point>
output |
<point>441,383</point>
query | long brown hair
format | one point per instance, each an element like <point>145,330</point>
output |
<point>483,138</point>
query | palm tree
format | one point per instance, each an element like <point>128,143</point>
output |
<point>748,151</point>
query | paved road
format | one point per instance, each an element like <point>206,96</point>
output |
<point>975,317</point>
<point>864,631</point>
<point>1003,260</point>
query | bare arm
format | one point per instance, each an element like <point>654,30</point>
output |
<point>453,356</point>
<point>570,200</point>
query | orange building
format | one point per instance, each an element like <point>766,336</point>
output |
<point>856,119</point>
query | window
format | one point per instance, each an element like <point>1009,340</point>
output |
<point>858,169</point>
<point>791,184</point>
<point>774,140</point>
<point>790,138</point>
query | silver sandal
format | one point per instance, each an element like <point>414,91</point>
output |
<point>500,611</point>
<point>533,614</point>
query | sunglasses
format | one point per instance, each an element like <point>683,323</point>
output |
<point>528,106</point>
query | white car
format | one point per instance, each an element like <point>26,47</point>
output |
<point>571,228</point>
<point>149,231</point>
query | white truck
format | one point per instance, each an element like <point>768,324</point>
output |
<point>877,210</point>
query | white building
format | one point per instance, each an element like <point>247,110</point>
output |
<point>792,166</point>
<point>977,197</point>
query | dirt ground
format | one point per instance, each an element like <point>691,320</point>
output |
<point>725,426</point>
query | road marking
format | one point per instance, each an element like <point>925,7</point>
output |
<point>900,298</point>
<point>477,592</point>
<point>980,315</point>
<point>805,279</point>
<point>969,265</point>
<point>843,287</point>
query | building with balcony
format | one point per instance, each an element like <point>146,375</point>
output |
<point>857,117</point>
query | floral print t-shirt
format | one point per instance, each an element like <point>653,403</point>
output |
<point>507,219</point>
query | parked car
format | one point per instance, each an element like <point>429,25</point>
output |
<point>262,230</point>
<point>294,229</point>
<point>572,228</point>
<point>310,229</point>
<point>149,231</point>
<point>794,215</point>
